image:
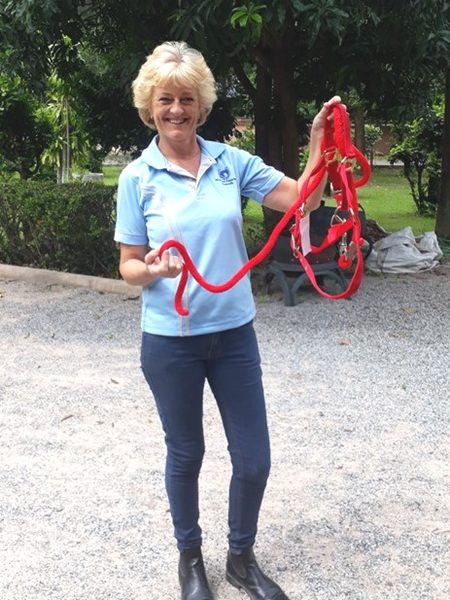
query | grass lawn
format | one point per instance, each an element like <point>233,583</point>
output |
<point>386,198</point>
<point>111,174</point>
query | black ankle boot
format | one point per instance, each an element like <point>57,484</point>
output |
<point>244,573</point>
<point>192,576</point>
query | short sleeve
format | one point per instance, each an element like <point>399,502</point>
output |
<point>257,178</point>
<point>130,223</point>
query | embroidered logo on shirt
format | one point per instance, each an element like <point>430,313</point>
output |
<point>224,176</point>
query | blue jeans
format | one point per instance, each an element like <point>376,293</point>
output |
<point>176,369</point>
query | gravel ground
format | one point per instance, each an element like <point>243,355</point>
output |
<point>358,502</point>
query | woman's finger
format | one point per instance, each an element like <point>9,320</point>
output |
<point>151,257</point>
<point>332,101</point>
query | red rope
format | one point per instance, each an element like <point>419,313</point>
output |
<point>338,155</point>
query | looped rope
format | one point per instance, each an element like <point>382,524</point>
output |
<point>337,158</point>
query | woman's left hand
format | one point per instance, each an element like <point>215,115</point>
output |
<point>318,124</point>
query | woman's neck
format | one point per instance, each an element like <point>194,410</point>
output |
<point>179,152</point>
<point>186,156</point>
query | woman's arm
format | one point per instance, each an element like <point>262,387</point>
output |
<point>140,267</point>
<point>287,191</point>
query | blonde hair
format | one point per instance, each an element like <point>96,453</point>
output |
<point>178,64</point>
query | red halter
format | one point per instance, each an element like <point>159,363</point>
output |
<point>338,158</point>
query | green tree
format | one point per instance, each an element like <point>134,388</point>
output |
<point>279,52</point>
<point>34,32</point>
<point>40,45</point>
<point>267,46</point>
<point>310,50</point>
<point>70,142</point>
<point>24,131</point>
<point>443,209</point>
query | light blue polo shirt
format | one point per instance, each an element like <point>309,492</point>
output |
<point>158,201</point>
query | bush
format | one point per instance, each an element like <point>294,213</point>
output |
<point>419,147</point>
<point>66,227</point>
<point>372,134</point>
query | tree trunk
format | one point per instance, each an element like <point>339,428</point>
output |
<point>24,172</point>
<point>68,150</point>
<point>264,127</point>
<point>283,73</point>
<point>59,167</point>
<point>262,106</point>
<point>442,227</point>
<point>275,158</point>
<point>283,134</point>
<point>287,113</point>
<point>360,141</point>
<point>65,163</point>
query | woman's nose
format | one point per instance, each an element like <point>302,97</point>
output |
<point>176,107</point>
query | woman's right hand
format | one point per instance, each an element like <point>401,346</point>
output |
<point>168,265</point>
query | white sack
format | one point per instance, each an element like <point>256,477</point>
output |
<point>401,252</point>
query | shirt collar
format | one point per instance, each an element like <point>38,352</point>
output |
<point>154,157</point>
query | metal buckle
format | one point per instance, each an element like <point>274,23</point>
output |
<point>349,162</point>
<point>336,218</point>
<point>348,251</point>
<point>343,246</point>
<point>331,155</point>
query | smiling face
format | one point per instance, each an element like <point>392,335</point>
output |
<point>175,112</point>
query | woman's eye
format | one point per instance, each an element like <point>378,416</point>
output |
<point>185,100</point>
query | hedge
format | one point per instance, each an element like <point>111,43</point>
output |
<point>67,227</point>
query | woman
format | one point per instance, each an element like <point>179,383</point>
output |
<point>183,187</point>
